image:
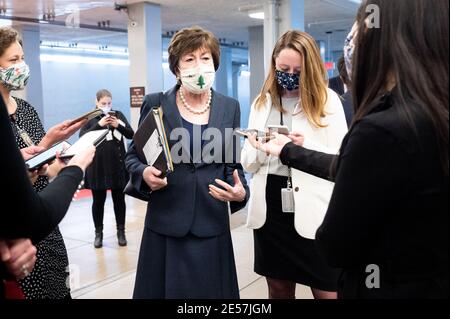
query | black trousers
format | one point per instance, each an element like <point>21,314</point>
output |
<point>98,206</point>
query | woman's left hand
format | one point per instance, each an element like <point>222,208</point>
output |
<point>230,193</point>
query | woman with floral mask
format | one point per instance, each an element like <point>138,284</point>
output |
<point>186,249</point>
<point>295,95</point>
<point>49,277</point>
<point>108,168</point>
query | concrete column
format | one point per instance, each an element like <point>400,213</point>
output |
<point>145,50</point>
<point>257,60</point>
<point>224,75</point>
<point>279,17</point>
<point>31,46</point>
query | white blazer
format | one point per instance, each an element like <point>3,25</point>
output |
<point>311,194</point>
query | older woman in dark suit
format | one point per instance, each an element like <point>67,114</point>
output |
<point>186,249</point>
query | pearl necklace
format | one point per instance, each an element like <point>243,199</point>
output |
<point>190,108</point>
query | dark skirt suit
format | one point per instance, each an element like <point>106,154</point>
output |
<point>186,249</point>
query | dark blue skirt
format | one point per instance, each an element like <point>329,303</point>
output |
<point>186,268</point>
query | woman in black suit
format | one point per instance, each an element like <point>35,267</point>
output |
<point>387,223</point>
<point>186,249</point>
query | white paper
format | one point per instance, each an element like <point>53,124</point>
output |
<point>152,149</point>
<point>86,140</point>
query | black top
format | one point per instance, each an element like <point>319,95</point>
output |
<point>195,132</point>
<point>337,85</point>
<point>389,206</point>
<point>107,170</point>
<point>185,205</point>
<point>26,119</point>
<point>347,103</point>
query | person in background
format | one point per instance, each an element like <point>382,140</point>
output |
<point>295,94</point>
<point>108,169</point>
<point>337,83</point>
<point>186,249</point>
<point>347,101</point>
<point>49,277</point>
<point>387,224</point>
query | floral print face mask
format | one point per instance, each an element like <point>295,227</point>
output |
<point>15,77</point>
<point>349,49</point>
<point>288,81</point>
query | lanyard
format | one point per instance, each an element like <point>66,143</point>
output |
<point>23,134</point>
<point>289,181</point>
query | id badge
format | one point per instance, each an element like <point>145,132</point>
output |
<point>287,200</point>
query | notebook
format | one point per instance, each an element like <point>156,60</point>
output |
<point>151,142</point>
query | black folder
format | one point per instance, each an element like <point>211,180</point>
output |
<point>151,142</point>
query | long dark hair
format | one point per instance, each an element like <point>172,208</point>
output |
<point>411,46</point>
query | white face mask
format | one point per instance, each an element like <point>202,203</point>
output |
<point>198,80</point>
<point>105,109</point>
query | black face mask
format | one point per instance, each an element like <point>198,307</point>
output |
<point>288,81</point>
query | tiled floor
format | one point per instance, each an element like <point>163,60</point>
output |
<point>109,272</point>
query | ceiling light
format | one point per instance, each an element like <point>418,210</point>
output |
<point>256,15</point>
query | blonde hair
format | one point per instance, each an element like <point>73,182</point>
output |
<point>313,77</point>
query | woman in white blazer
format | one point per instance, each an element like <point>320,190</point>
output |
<point>295,95</point>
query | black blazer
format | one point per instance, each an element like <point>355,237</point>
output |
<point>389,206</point>
<point>185,205</point>
<point>336,85</point>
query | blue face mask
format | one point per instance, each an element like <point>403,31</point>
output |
<point>288,81</point>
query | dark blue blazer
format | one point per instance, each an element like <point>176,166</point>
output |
<point>185,204</point>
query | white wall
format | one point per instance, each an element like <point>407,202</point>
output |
<point>70,88</point>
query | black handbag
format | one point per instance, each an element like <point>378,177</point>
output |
<point>130,190</point>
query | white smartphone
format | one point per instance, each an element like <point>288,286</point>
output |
<point>280,129</point>
<point>244,132</point>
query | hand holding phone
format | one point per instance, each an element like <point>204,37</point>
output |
<point>45,157</point>
<point>280,129</point>
<point>87,116</point>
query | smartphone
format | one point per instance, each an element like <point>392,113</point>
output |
<point>90,138</point>
<point>280,129</point>
<point>46,156</point>
<point>112,113</point>
<point>244,132</point>
<point>88,116</point>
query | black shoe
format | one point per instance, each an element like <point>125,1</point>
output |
<point>98,242</point>
<point>121,235</point>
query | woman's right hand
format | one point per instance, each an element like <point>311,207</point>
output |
<point>151,178</point>
<point>83,159</point>
<point>297,138</point>
<point>104,121</point>
<point>19,256</point>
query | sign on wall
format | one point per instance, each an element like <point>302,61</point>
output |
<point>137,95</point>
